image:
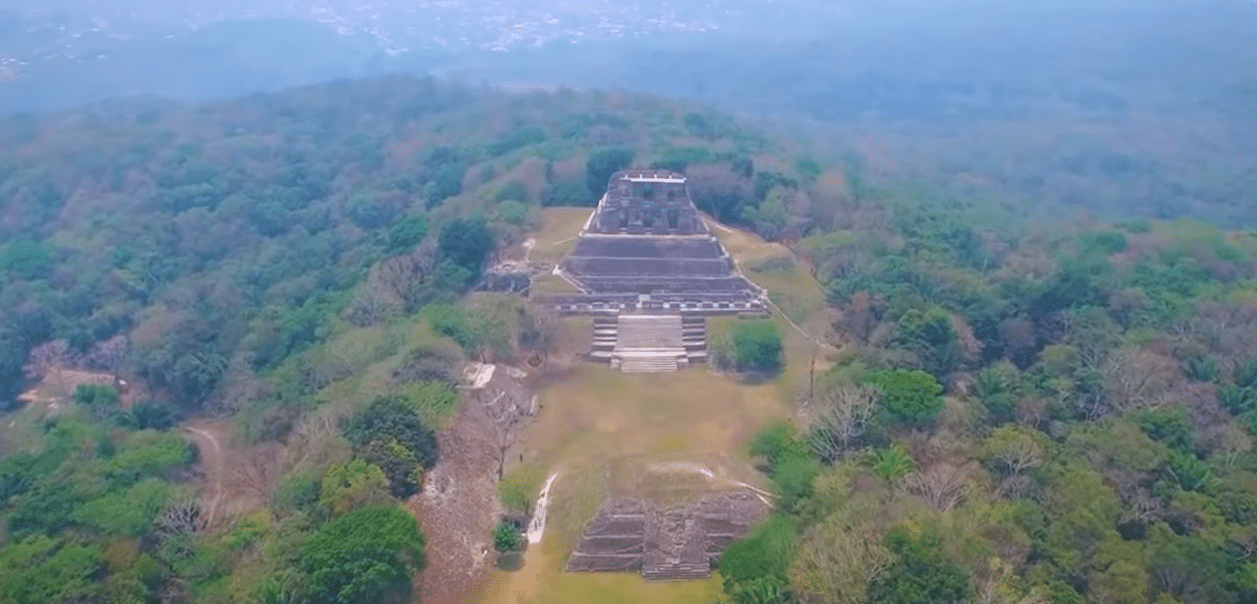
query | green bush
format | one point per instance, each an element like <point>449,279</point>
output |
<point>99,399</point>
<point>757,347</point>
<point>390,434</point>
<point>407,233</point>
<point>507,538</point>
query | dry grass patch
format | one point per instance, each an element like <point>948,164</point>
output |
<point>575,498</point>
<point>557,235</point>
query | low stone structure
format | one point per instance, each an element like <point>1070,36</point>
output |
<point>666,541</point>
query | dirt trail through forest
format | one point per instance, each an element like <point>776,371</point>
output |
<point>211,458</point>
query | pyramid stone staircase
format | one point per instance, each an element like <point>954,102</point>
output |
<point>649,344</point>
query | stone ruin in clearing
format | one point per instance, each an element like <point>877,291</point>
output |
<point>650,271</point>
<point>678,536</point>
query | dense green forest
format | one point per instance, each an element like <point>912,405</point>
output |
<point>1021,411</point>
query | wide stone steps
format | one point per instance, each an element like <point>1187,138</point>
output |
<point>648,365</point>
<point>670,572</point>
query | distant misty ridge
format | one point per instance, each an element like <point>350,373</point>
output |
<point>932,57</point>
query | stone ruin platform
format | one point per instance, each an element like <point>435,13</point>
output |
<point>646,248</point>
<point>648,269</point>
<point>668,533</point>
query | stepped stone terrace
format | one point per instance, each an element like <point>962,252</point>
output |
<point>646,248</point>
<point>673,524</point>
<point>649,271</point>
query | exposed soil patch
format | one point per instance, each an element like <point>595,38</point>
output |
<point>57,388</point>
<point>459,507</point>
<point>208,438</point>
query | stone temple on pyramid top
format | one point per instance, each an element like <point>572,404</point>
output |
<point>649,271</point>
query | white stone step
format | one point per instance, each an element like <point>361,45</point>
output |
<point>648,365</point>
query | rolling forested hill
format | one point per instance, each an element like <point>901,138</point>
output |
<point>1020,409</point>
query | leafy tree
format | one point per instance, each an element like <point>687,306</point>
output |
<point>352,484</point>
<point>454,322</point>
<point>513,190</point>
<point>777,443</point>
<point>1187,471</point>
<point>147,453</point>
<point>754,568</point>
<point>893,462</point>
<point>433,361</point>
<point>391,435</point>
<point>40,570</point>
<point>99,399</point>
<point>147,415</point>
<point>994,387</point>
<point>363,556</point>
<point>568,193</point>
<point>367,210</point>
<point>13,353</point>
<point>25,258</point>
<point>127,513</point>
<point>1190,569</point>
<point>909,397</point>
<point>757,347</point>
<point>407,233</point>
<point>507,538</point>
<point>790,463</point>
<point>518,138</point>
<point>1169,426</point>
<point>398,464</point>
<point>49,504</point>
<point>932,338</point>
<point>602,164</point>
<point>466,242</point>
<point>921,575</point>
<point>793,477</point>
<point>447,183</point>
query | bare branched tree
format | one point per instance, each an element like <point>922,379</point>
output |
<point>942,485</point>
<point>48,360</point>
<point>181,517</point>
<point>506,409</point>
<point>109,355</point>
<point>841,414</point>
<point>405,276</point>
<point>1013,450</point>
<point>372,304</point>
<point>239,386</point>
<point>836,563</point>
<point>1136,379</point>
<point>313,439</point>
<point>257,470</point>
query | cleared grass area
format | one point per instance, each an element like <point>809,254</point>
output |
<point>575,497</point>
<point>601,429</point>
<point>774,267</point>
<point>557,235</point>
<point>608,432</point>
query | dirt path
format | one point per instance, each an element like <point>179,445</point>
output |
<point>212,463</point>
